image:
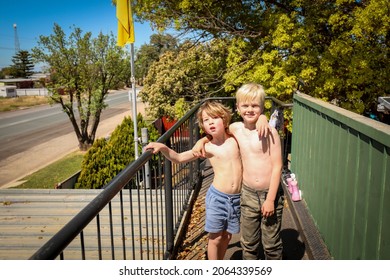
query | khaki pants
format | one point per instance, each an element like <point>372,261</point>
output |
<point>258,233</point>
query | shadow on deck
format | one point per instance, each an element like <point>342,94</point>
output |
<point>301,240</point>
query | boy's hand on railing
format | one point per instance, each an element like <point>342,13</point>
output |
<point>154,146</point>
<point>262,126</point>
<point>198,150</point>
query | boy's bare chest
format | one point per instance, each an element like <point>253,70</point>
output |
<point>228,150</point>
<point>250,142</point>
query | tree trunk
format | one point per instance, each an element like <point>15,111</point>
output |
<point>84,146</point>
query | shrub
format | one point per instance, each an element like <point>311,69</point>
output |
<point>106,158</point>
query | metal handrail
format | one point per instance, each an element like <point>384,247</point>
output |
<point>57,244</point>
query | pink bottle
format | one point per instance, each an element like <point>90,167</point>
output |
<point>289,180</point>
<point>295,196</point>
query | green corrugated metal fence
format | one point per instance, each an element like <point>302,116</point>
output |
<point>342,164</point>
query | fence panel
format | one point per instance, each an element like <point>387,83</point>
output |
<point>342,164</point>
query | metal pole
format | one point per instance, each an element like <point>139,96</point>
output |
<point>168,207</point>
<point>144,142</point>
<point>134,99</point>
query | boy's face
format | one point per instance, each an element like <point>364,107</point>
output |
<point>212,125</point>
<point>250,111</point>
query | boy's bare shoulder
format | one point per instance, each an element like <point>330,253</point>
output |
<point>231,139</point>
<point>236,125</point>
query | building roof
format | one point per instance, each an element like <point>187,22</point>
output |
<point>17,80</point>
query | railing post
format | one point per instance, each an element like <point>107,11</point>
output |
<point>197,137</point>
<point>191,142</point>
<point>168,205</point>
<point>145,140</point>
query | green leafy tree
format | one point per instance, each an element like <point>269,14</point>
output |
<point>339,49</point>
<point>82,69</point>
<point>23,65</point>
<point>149,53</point>
<point>6,72</point>
<point>184,77</point>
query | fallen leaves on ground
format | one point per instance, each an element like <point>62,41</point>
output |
<point>195,243</point>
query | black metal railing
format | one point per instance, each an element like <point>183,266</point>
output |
<point>143,212</point>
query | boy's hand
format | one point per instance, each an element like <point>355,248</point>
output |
<point>268,209</point>
<point>262,126</point>
<point>154,146</point>
<point>198,150</point>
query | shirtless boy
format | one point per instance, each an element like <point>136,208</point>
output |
<point>223,196</point>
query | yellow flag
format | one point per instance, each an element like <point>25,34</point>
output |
<point>125,22</point>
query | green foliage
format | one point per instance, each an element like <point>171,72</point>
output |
<point>106,158</point>
<point>149,53</point>
<point>23,66</point>
<point>6,72</point>
<point>339,49</point>
<point>186,76</point>
<point>82,69</point>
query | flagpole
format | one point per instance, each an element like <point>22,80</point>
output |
<point>126,35</point>
<point>134,101</point>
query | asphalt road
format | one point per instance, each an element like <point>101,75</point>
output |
<point>33,138</point>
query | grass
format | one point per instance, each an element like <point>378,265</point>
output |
<point>21,102</point>
<point>49,176</point>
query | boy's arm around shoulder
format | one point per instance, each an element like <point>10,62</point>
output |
<point>234,127</point>
<point>170,154</point>
<point>262,126</point>
<point>198,150</point>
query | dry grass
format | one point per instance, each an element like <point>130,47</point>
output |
<point>22,102</point>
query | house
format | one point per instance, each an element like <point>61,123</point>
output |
<point>13,87</point>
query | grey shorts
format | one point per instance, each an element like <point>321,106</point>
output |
<point>222,211</point>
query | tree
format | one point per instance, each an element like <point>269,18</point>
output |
<point>180,78</point>
<point>339,49</point>
<point>82,69</point>
<point>22,65</point>
<point>149,53</point>
<point>6,72</point>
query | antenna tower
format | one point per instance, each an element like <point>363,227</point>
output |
<point>17,46</point>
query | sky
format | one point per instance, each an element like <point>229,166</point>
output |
<point>35,18</point>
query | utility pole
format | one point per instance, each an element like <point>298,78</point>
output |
<point>17,46</point>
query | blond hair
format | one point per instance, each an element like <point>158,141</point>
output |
<point>251,92</point>
<point>214,109</point>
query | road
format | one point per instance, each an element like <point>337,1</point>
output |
<point>33,138</point>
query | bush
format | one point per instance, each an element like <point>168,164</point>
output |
<point>106,158</point>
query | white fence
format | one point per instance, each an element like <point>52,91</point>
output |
<point>32,92</point>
